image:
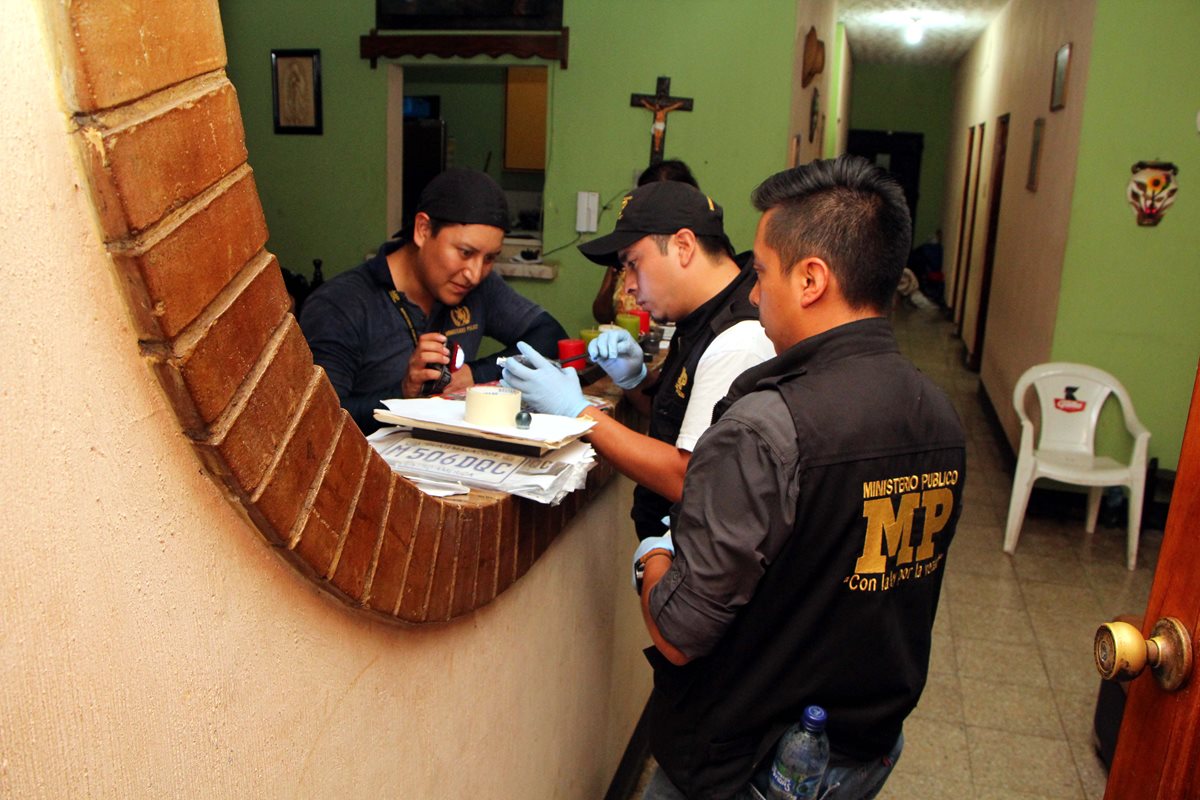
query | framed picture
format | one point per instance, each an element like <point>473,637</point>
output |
<point>487,15</point>
<point>1035,154</point>
<point>296,91</point>
<point>1062,68</point>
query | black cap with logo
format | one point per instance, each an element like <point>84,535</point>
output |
<point>660,207</point>
<point>465,196</point>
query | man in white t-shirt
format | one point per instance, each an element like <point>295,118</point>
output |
<point>670,240</point>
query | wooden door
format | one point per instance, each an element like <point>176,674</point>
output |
<point>1158,748</point>
<point>999,150</point>
<point>525,119</point>
<point>960,291</point>
<point>964,208</point>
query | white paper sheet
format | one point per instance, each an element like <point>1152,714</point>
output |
<point>547,430</point>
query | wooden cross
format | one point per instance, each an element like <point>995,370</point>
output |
<point>660,104</point>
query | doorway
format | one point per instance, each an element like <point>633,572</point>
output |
<point>955,301</point>
<point>967,233</point>
<point>999,147</point>
<point>466,115</point>
<point>898,153</point>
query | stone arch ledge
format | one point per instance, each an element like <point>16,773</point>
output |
<point>163,149</point>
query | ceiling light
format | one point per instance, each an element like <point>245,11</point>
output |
<point>914,32</point>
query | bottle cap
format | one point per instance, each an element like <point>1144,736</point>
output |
<point>814,718</point>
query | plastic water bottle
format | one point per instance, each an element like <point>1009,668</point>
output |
<point>801,758</point>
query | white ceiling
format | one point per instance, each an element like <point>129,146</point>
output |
<point>875,28</point>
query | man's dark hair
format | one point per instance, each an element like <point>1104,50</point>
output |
<point>847,212</point>
<point>670,170</point>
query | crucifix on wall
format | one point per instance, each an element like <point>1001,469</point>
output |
<point>660,104</point>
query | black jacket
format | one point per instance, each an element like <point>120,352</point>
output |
<point>843,615</point>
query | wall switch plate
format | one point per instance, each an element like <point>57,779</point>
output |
<point>587,211</point>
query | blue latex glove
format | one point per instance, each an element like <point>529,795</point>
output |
<point>544,387</point>
<point>651,543</point>
<point>619,354</point>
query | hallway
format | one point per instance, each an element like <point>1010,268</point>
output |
<point>1012,688</point>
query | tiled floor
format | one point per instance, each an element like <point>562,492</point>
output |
<point>1012,688</point>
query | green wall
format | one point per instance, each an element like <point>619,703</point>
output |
<point>911,99</point>
<point>324,196</point>
<point>837,65</point>
<point>1130,299</point>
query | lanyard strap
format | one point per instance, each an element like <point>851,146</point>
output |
<point>396,301</point>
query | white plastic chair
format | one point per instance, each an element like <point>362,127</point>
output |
<point>1070,397</point>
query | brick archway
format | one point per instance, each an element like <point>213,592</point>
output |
<point>160,133</point>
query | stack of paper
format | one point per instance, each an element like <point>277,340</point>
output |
<point>437,467</point>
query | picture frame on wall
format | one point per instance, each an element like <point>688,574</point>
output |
<point>1035,154</point>
<point>1062,69</point>
<point>296,91</point>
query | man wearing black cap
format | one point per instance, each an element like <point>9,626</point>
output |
<point>670,240</point>
<point>383,329</point>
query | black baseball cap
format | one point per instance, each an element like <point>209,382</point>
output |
<point>465,196</point>
<point>658,207</point>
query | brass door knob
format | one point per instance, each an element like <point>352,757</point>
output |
<point>1121,652</point>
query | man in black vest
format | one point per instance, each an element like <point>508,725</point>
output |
<point>806,557</point>
<point>670,240</point>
